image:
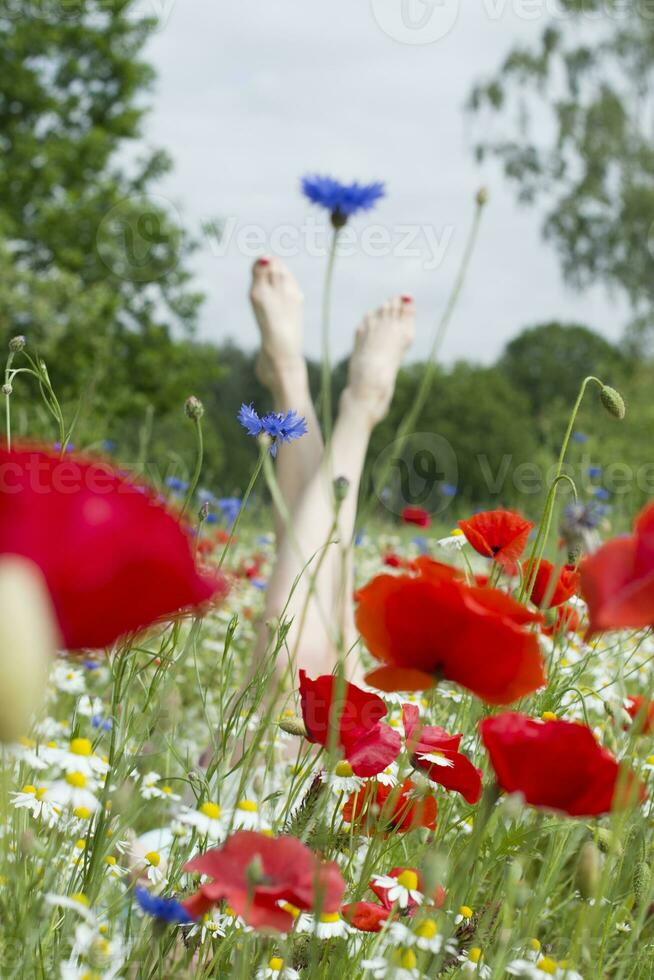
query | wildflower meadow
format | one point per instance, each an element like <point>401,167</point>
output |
<point>317,668</point>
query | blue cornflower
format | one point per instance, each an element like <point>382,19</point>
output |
<point>281,427</point>
<point>166,909</point>
<point>341,200</point>
<point>579,437</point>
<point>594,472</point>
<point>229,507</point>
<point>448,490</point>
<point>601,493</point>
<point>176,485</point>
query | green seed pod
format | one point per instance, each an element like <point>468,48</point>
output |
<point>642,882</point>
<point>194,408</point>
<point>482,196</point>
<point>607,841</point>
<point>17,344</point>
<point>341,486</point>
<point>613,402</point>
<point>292,726</point>
<point>589,869</point>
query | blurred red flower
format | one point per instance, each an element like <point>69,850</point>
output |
<point>431,625</point>
<point>498,534</point>
<point>437,754</point>
<point>378,808</point>
<point>557,765</point>
<point>365,916</point>
<point>253,873</point>
<point>114,559</point>
<point>417,516</point>
<point>367,744</point>
<point>544,592</point>
<point>634,707</point>
<point>567,620</point>
<point>617,580</point>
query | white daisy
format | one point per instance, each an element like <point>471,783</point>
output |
<point>401,891</point>
<point>36,800</point>
<point>342,780</point>
<point>207,820</point>
<point>276,970</point>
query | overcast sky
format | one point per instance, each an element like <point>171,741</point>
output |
<point>253,93</point>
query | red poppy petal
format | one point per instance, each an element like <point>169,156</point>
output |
<point>114,559</point>
<point>399,679</point>
<point>374,751</point>
<point>365,916</point>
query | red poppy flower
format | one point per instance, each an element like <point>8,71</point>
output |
<point>636,708</point>
<point>365,916</point>
<point>253,873</point>
<point>544,593</point>
<point>556,765</point>
<point>567,620</point>
<point>498,534</point>
<point>381,808</point>
<point>393,561</point>
<point>431,625</point>
<point>114,559</point>
<point>617,580</point>
<point>417,516</point>
<point>367,744</point>
<point>436,753</point>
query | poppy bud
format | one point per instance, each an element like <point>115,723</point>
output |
<point>482,196</point>
<point>607,841</point>
<point>194,408</point>
<point>642,882</point>
<point>341,486</point>
<point>589,869</point>
<point>293,726</point>
<point>17,344</point>
<point>7,389</point>
<point>613,402</point>
<point>204,511</point>
<point>28,642</point>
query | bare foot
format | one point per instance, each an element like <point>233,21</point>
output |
<point>380,345</point>
<point>278,306</point>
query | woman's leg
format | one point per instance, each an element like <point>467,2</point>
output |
<point>316,557</point>
<point>278,306</point>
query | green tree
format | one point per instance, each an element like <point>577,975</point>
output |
<point>94,260</point>
<point>569,119</point>
<point>548,363</point>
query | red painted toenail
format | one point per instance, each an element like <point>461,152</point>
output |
<point>263,262</point>
<point>407,299</point>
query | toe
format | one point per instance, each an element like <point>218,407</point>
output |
<point>407,305</point>
<point>260,267</point>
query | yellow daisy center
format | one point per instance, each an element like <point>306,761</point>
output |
<point>76,779</point>
<point>330,917</point>
<point>153,858</point>
<point>81,746</point>
<point>211,810</point>
<point>248,805</point>
<point>548,965</point>
<point>408,879</point>
<point>427,929</point>
<point>343,769</point>
<point>466,912</point>
<point>276,963</point>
